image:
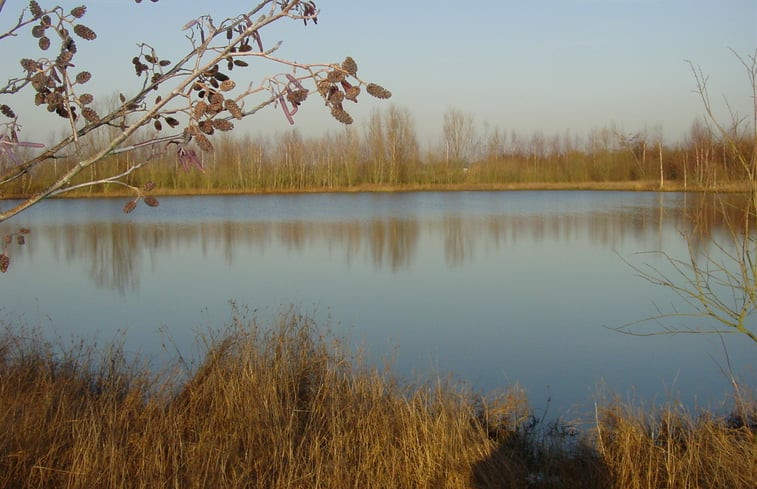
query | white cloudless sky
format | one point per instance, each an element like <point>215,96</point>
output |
<point>527,65</point>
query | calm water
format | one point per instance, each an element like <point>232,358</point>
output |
<point>493,287</point>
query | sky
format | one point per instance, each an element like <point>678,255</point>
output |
<point>555,66</point>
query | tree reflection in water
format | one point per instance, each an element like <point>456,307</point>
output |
<point>114,252</point>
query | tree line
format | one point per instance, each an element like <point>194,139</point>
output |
<point>385,153</point>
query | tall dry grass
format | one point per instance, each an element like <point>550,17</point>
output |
<point>285,406</point>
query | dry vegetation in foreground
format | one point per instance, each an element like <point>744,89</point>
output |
<point>284,406</point>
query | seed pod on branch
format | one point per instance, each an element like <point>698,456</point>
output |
<point>222,125</point>
<point>215,98</point>
<point>200,108</point>
<point>351,93</point>
<point>349,65</point>
<point>84,32</point>
<point>205,126</point>
<point>151,201</point>
<point>377,91</point>
<point>35,9</point>
<point>83,77</point>
<point>29,64</point>
<point>79,12</point>
<point>335,76</point>
<point>4,263</point>
<point>233,108</point>
<point>130,206</point>
<point>7,111</point>
<point>90,115</point>
<point>335,96</point>
<point>203,142</point>
<point>341,115</point>
<point>296,97</point>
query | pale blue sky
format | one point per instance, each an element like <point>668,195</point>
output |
<point>528,65</point>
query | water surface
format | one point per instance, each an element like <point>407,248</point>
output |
<point>493,287</point>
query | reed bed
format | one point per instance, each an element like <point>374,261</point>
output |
<point>285,405</point>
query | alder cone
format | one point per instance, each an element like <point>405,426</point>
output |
<point>222,125</point>
<point>200,109</point>
<point>79,12</point>
<point>233,108</point>
<point>83,77</point>
<point>130,206</point>
<point>377,91</point>
<point>7,111</point>
<point>35,9</point>
<point>341,115</point>
<point>227,85</point>
<point>90,115</point>
<point>203,142</point>
<point>351,93</point>
<point>349,65</point>
<point>84,32</point>
<point>296,97</point>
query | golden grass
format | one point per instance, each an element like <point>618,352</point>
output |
<point>284,406</point>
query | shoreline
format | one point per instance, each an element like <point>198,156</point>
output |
<point>633,186</point>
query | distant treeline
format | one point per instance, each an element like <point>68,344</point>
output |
<point>385,153</point>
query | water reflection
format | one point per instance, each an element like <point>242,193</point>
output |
<point>115,252</point>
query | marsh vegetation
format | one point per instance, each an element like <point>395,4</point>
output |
<point>289,405</point>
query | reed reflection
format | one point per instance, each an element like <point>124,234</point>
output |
<point>115,253</point>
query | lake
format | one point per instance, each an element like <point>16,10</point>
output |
<point>493,288</point>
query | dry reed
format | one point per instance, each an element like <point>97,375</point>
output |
<point>284,405</point>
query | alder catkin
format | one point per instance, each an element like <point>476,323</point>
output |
<point>377,91</point>
<point>341,115</point>
<point>203,142</point>
<point>233,109</point>
<point>130,206</point>
<point>84,32</point>
<point>349,66</point>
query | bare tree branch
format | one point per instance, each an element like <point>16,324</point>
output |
<point>201,92</point>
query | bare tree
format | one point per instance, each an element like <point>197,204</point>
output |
<point>459,135</point>
<point>729,134</point>
<point>718,284</point>
<point>178,105</point>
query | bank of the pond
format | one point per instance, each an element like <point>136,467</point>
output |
<point>635,186</point>
<point>282,405</point>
